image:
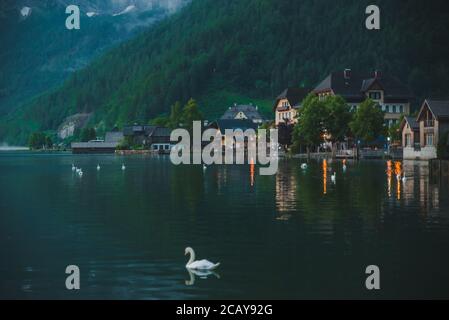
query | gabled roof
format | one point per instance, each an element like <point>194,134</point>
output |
<point>439,108</point>
<point>223,125</point>
<point>293,95</point>
<point>353,89</point>
<point>250,112</point>
<point>414,125</point>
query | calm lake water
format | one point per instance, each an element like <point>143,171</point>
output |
<point>295,235</point>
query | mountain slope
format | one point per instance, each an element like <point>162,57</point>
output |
<point>38,52</point>
<point>251,47</point>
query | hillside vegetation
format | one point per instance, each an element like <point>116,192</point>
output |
<point>251,50</point>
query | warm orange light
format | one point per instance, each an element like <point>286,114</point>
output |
<point>324,176</point>
<point>251,171</point>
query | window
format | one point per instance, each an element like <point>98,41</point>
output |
<point>401,109</point>
<point>375,95</point>
<point>383,108</point>
<point>408,140</point>
<point>390,109</point>
<point>429,139</point>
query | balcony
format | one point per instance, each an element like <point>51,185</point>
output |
<point>429,123</point>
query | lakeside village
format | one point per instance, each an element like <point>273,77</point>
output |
<point>347,115</point>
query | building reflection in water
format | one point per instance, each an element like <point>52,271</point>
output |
<point>389,173</point>
<point>286,191</point>
<point>324,176</point>
<point>416,187</point>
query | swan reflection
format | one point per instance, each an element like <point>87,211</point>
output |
<point>202,274</point>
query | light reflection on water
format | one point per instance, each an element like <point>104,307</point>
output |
<point>127,230</point>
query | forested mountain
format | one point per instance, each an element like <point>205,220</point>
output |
<point>247,49</point>
<point>37,52</point>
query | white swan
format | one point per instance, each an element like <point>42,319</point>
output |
<point>123,167</point>
<point>334,177</point>
<point>304,166</point>
<point>199,265</point>
<point>73,167</point>
<point>98,167</point>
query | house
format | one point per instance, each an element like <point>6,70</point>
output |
<point>287,105</point>
<point>433,124</point>
<point>223,125</point>
<point>392,96</point>
<point>159,140</point>
<point>410,132</point>
<point>138,134</point>
<point>243,112</point>
<point>108,145</point>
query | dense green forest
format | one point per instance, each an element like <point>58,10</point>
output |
<point>249,50</point>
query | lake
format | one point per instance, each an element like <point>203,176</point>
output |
<point>295,235</point>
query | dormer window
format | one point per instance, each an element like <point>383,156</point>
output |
<point>375,95</point>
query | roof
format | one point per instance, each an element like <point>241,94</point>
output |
<point>138,129</point>
<point>353,89</point>
<point>94,145</point>
<point>160,132</point>
<point>293,95</point>
<point>414,125</point>
<point>250,112</point>
<point>439,108</point>
<point>223,125</point>
<point>113,136</point>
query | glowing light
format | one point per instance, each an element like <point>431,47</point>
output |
<point>324,176</point>
<point>251,171</point>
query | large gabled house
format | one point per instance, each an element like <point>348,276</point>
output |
<point>392,96</point>
<point>287,105</point>
<point>433,123</point>
<point>243,112</point>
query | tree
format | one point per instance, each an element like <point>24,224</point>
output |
<point>368,122</point>
<point>88,134</point>
<point>39,140</point>
<point>190,113</point>
<point>338,118</point>
<point>160,121</point>
<point>311,120</point>
<point>285,134</point>
<point>36,140</point>
<point>175,115</point>
<point>394,132</point>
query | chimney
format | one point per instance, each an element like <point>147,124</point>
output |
<point>347,74</point>
<point>377,74</point>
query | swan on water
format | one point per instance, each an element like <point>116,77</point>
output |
<point>334,177</point>
<point>123,167</point>
<point>304,166</point>
<point>98,167</point>
<point>199,265</point>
